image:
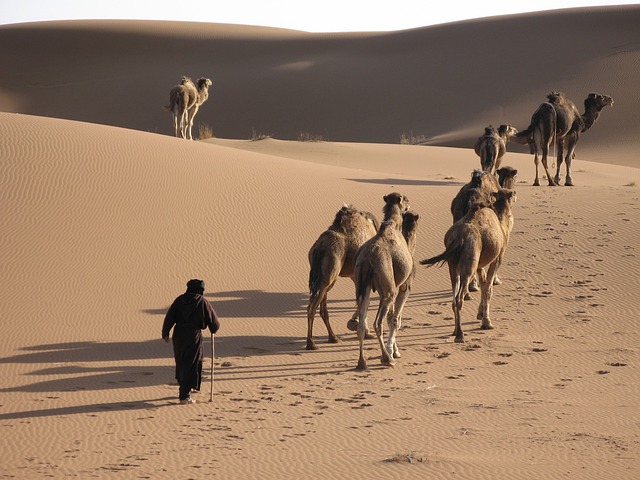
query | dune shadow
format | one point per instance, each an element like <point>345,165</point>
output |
<point>402,181</point>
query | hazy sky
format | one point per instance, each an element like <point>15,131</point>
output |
<point>315,16</point>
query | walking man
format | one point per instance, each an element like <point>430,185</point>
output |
<point>190,313</point>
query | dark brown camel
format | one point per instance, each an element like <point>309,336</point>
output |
<point>559,120</point>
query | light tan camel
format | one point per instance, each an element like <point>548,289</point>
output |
<point>181,97</point>
<point>330,257</point>
<point>559,120</point>
<point>492,146</point>
<point>202,85</point>
<point>385,264</point>
<point>184,101</point>
<point>474,243</point>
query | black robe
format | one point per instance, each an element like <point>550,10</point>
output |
<point>190,313</point>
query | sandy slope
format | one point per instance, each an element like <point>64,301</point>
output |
<point>101,226</point>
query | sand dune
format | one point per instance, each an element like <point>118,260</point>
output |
<point>103,221</point>
<point>445,83</point>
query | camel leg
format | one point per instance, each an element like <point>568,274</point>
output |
<point>560,147</point>
<point>458,300</point>
<point>363,307</point>
<point>191,116</point>
<point>571,150</point>
<point>545,151</point>
<point>311,313</point>
<point>395,322</point>
<point>536,160</point>
<point>487,291</point>
<point>383,310</point>
<point>324,313</point>
<point>175,123</point>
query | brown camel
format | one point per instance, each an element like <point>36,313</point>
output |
<point>474,243</point>
<point>330,257</point>
<point>492,146</point>
<point>478,191</point>
<point>184,101</point>
<point>559,120</point>
<point>385,264</point>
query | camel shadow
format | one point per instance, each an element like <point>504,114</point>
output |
<point>252,304</point>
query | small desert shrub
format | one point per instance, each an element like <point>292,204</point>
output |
<point>411,139</point>
<point>309,137</point>
<point>258,135</point>
<point>630,184</point>
<point>410,457</point>
<point>204,131</point>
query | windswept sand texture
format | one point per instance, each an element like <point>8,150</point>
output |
<point>105,216</point>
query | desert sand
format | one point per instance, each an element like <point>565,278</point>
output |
<point>105,216</point>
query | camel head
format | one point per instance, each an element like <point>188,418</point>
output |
<point>396,198</point>
<point>344,211</point>
<point>598,101</point>
<point>204,83</point>
<point>507,177</point>
<point>504,196</point>
<point>409,223</point>
<point>507,131</point>
<point>490,130</point>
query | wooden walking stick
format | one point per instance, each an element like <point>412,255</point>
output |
<point>213,356</point>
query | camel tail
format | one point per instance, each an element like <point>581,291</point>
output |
<point>315,272</point>
<point>452,253</point>
<point>364,276</point>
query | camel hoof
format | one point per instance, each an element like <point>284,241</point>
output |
<point>459,339</point>
<point>556,180</point>
<point>311,346</point>
<point>397,355</point>
<point>362,366</point>
<point>467,296</point>
<point>352,325</point>
<point>473,287</point>
<point>334,340</point>
<point>536,183</point>
<point>497,281</point>
<point>387,361</point>
<point>487,327</point>
<point>568,183</point>
<point>369,336</point>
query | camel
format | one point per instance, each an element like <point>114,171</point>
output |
<point>330,257</point>
<point>385,264</point>
<point>492,146</point>
<point>184,101</point>
<point>476,191</point>
<point>559,120</point>
<point>474,243</point>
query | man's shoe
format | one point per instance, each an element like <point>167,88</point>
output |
<point>187,401</point>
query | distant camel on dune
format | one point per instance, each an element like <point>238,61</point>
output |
<point>559,120</point>
<point>474,243</point>
<point>185,100</point>
<point>492,146</point>
<point>385,264</point>
<point>332,256</point>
